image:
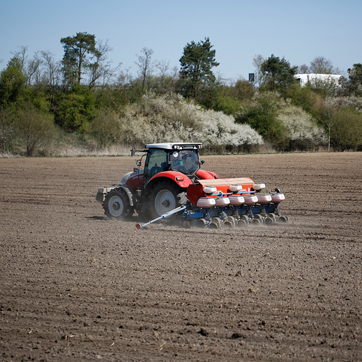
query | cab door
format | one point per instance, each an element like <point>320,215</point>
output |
<point>156,162</point>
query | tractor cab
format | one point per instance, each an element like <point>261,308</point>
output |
<point>180,157</point>
<point>175,158</point>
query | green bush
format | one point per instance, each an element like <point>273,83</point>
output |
<point>228,99</point>
<point>35,128</point>
<point>7,130</point>
<point>227,105</point>
<point>261,114</point>
<point>346,133</point>
<point>106,128</point>
<point>74,110</point>
<point>302,131</point>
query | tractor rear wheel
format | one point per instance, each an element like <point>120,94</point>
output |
<point>116,204</point>
<point>165,196</point>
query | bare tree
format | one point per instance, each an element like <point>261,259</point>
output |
<point>165,81</point>
<point>21,56</point>
<point>145,66</point>
<point>258,60</point>
<point>303,69</point>
<point>33,69</point>
<point>163,68</point>
<point>51,71</point>
<point>124,78</point>
<point>101,70</point>
<point>321,65</point>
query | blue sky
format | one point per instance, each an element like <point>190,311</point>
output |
<point>238,29</point>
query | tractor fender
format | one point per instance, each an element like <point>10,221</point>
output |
<point>179,178</point>
<point>130,193</point>
<point>206,175</point>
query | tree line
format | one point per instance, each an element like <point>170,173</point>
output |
<point>84,100</point>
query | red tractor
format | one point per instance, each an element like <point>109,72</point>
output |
<point>172,181</point>
<point>159,187</point>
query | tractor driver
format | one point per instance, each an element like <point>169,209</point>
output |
<point>184,161</point>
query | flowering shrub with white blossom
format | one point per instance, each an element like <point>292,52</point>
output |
<point>171,118</point>
<point>302,131</point>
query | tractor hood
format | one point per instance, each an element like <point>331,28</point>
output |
<point>133,179</point>
<point>179,178</point>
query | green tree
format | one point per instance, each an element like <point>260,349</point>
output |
<point>197,62</point>
<point>278,74</point>
<point>229,98</point>
<point>355,79</point>
<point>12,82</point>
<point>261,114</point>
<point>226,103</point>
<point>79,50</point>
<point>306,98</point>
<point>75,109</point>
<point>243,89</point>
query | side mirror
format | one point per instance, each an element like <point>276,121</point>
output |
<point>133,152</point>
<point>138,163</point>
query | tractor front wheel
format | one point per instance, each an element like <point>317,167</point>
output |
<point>116,204</point>
<point>165,196</point>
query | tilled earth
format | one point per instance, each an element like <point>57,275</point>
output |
<point>77,286</point>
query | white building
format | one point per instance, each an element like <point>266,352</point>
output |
<point>315,79</point>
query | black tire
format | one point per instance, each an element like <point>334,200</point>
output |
<point>230,222</point>
<point>215,223</point>
<point>201,223</point>
<point>269,221</point>
<point>116,205</point>
<point>242,223</point>
<point>164,197</point>
<point>257,221</point>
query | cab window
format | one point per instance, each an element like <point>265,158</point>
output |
<point>185,161</point>
<point>157,161</point>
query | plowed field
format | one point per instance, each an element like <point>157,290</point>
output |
<point>77,286</point>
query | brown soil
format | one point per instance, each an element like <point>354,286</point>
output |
<point>77,286</point>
